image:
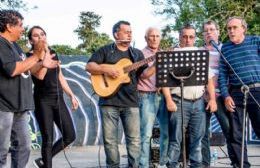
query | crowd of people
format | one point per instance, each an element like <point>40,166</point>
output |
<point>135,100</point>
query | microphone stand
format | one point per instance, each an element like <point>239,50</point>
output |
<point>245,90</point>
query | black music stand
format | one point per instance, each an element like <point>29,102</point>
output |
<point>179,69</point>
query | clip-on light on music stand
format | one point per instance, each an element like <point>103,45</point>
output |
<point>179,69</point>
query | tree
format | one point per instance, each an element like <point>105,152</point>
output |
<point>67,50</point>
<point>18,5</point>
<point>196,12</point>
<point>92,40</point>
<point>23,42</point>
<point>167,41</point>
<point>12,4</point>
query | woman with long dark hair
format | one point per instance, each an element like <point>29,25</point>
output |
<point>50,107</point>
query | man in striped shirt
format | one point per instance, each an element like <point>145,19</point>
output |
<point>242,53</point>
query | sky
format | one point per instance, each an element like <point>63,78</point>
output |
<point>60,18</point>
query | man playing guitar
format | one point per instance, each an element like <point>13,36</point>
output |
<point>108,64</point>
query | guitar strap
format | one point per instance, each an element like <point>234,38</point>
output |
<point>133,56</point>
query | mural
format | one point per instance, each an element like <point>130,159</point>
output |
<point>87,118</point>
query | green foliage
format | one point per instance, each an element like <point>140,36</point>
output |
<point>23,42</point>
<point>167,41</point>
<point>67,50</point>
<point>13,4</point>
<point>196,12</point>
<point>92,40</point>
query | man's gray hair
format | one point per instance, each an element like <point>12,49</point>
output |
<point>149,29</point>
<point>243,21</point>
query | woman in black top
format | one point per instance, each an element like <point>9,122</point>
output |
<point>50,107</point>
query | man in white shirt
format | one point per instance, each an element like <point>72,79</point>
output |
<point>193,107</point>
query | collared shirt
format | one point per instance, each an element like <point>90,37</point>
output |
<point>147,85</point>
<point>214,57</point>
<point>190,92</point>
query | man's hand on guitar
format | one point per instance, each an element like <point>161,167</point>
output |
<point>112,72</point>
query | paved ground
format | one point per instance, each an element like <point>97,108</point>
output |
<point>93,157</point>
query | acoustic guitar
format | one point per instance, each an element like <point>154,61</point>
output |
<point>106,86</point>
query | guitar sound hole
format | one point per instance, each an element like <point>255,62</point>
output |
<point>105,81</point>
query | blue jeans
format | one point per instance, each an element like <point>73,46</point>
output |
<point>14,126</point>
<point>152,105</point>
<point>130,118</point>
<point>223,119</point>
<point>194,121</point>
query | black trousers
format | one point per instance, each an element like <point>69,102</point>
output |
<point>236,123</point>
<point>49,110</point>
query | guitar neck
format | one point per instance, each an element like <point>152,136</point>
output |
<point>138,64</point>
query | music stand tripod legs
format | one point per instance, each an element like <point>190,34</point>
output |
<point>182,79</point>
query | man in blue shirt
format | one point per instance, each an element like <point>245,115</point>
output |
<point>242,53</point>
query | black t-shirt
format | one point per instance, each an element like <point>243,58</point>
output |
<point>15,92</point>
<point>50,85</point>
<point>126,96</point>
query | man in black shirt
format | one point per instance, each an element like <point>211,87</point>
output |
<point>110,63</point>
<point>16,89</point>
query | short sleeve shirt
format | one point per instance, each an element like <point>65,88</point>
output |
<point>15,92</point>
<point>126,96</point>
<point>50,85</point>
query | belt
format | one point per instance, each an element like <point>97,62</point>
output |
<point>252,85</point>
<point>147,92</point>
<point>190,100</point>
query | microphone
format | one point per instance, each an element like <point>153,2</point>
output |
<point>213,43</point>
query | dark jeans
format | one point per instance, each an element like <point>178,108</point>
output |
<point>223,118</point>
<point>50,110</point>
<point>253,112</point>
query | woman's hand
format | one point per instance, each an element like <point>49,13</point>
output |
<point>74,103</point>
<point>40,49</point>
